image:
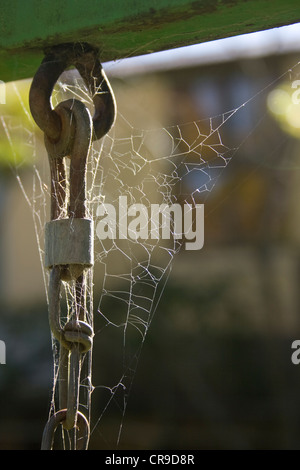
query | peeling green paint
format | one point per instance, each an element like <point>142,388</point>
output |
<point>125,28</point>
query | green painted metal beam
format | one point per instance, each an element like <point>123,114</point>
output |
<point>124,28</point>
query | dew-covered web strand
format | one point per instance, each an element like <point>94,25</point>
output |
<point>148,166</point>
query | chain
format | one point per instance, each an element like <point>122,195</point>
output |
<point>69,131</point>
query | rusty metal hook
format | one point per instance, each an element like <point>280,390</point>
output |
<point>74,142</point>
<point>57,59</point>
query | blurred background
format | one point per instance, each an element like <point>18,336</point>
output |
<point>215,371</point>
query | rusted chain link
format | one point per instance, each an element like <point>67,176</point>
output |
<point>69,130</point>
<point>58,58</point>
<point>82,426</point>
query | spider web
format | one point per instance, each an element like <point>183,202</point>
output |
<point>175,165</point>
<point>178,164</point>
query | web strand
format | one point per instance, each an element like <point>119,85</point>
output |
<point>178,164</point>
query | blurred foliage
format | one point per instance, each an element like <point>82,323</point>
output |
<point>16,126</point>
<point>283,103</point>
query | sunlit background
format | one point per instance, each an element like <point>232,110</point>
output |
<point>216,369</point>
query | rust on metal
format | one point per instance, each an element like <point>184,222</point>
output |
<point>58,58</point>
<point>68,132</point>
